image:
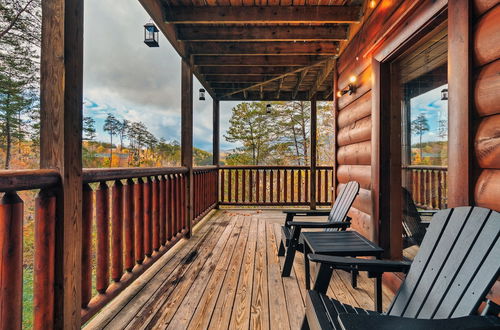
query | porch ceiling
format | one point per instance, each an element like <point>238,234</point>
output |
<point>247,50</point>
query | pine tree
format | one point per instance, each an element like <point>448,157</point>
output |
<point>111,126</point>
<point>420,125</point>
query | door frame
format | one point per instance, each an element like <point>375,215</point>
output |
<point>386,125</point>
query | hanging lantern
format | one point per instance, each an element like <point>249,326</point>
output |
<point>151,35</point>
<point>268,108</point>
<point>444,94</point>
<point>202,94</point>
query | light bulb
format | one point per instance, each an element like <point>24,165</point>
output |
<point>352,79</point>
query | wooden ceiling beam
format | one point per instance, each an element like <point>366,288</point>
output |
<point>280,85</point>
<point>263,15</point>
<point>229,85</point>
<point>262,33</point>
<point>266,96</point>
<point>300,78</point>
<point>237,79</point>
<point>263,48</point>
<point>244,70</point>
<point>269,60</point>
<point>322,75</point>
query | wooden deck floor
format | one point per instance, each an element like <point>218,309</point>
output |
<point>227,276</point>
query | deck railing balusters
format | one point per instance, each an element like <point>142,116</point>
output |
<point>428,185</point>
<point>44,275</point>
<point>117,231</point>
<point>128,225</point>
<point>155,213</point>
<point>162,204</point>
<point>87,219</point>
<point>102,225</point>
<point>139,221</point>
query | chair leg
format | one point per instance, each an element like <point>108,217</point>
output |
<point>281,250</point>
<point>305,324</point>
<point>354,279</point>
<point>290,255</point>
<point>378,293</point>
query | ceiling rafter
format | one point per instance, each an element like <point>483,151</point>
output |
<point>262,15</point>
<point>322,75</point>
<point>300,78</point>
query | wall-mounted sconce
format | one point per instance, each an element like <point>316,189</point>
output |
<point>202,94</point>
<point>268,108</point>
<point>444,94</point>
<point>372,4</point>
<point>351,88</point>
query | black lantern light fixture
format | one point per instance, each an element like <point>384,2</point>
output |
<point>350,89</point>
<point>444,94</point>
<point>202,94</point>
<point>268,108</point>
<point>151,35</point>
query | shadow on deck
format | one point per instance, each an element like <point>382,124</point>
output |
<point>228,275</point>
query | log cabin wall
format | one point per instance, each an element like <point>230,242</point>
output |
<point>354,122</point>
<point>486,46</point>
<point>486,108</point>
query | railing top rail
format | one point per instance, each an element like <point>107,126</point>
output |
<point>425,167</point>
<point>17,180</point>
<point>204,168</point>
<point>108,174</point>
<point>274,167</point>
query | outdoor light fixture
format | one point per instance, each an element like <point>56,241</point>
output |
<point>373,3</point>
<point>202,94</point>
<point>351,88</point>
<point>151,35</point>
<point>444,94</point>
<point>268,108</point>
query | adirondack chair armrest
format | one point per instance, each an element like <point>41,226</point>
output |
<point>368,265</point>
<point>381,321</point>
<point>305,224</point>
<point>308,213</point>
<point>491,308</point>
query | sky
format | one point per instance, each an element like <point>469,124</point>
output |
<point>125,77</point>
<point>434,109</point>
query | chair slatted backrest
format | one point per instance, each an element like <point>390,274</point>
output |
<point>412,223</point>
<point>343,203</point>
<point>458,262</point>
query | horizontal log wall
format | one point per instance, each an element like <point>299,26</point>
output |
<point>487,103</point>
<point>486,91</point>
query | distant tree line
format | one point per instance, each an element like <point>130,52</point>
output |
<point>278,137</point>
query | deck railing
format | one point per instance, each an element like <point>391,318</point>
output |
<point>273,185</point>
<point>428,185</point>
<point>130,218</point>
<point>205,190</point>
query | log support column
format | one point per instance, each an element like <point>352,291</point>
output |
<point>216,144</point>
<point>61,147</point>
<point>187,138</point>
<point>313,153</point>
<point>459,91</point>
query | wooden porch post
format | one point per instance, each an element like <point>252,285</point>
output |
<point>335,130</point>
<point>459,91</point>
<point>61,146</point>
<point>314,119</point>
<point>216,132</point>
<point>216,144</point>
<point>187,136</point>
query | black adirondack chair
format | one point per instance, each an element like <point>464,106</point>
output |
<point>413,227</point>
<point>457,264</point>
<point>337,220</point>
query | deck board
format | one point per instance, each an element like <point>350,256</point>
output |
<point>227,276</point>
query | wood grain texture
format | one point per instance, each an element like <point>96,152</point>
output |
<point>355,154</point>
<point>482,6</point>
<point>187,138</point>
<point>487,85</point>
<point>486,37</point>
<point>487,142</point>
<point>459,125</point>
<point>355,111</point>
<point>359,131</point>
<point>360,173</point>
<point>61,99</point>
<point>487,189</point>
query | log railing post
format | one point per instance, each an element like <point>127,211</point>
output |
<point>88,215</point>
<point>102,226</point>
<point>128,225</point>
<point>61,99</point>
<point>43,285</point>
<point>117,231</point>
<point>216,146</point>
<point>313,152</point>
<point>187,139</point>
<point>11,263</point>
